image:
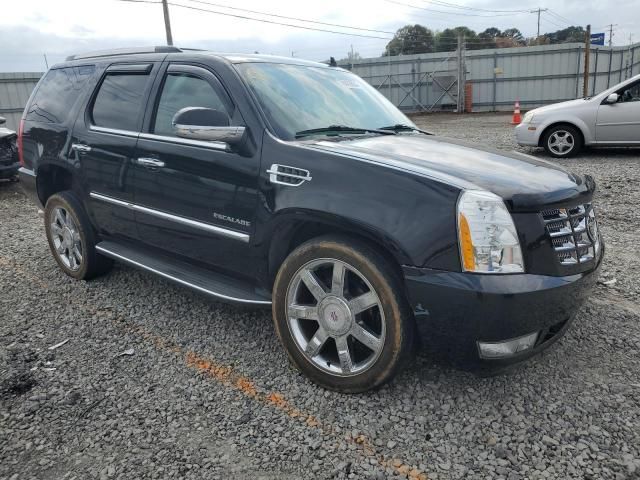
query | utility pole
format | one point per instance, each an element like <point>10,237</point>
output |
<point>167,22</point>
<point>461,74</point>
<point>587,51</point>
<point>611,25</point>
<point>539,11</point>
<point>352,56</point>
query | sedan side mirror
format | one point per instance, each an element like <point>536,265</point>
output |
<point>613,98</point>
<point>3,120</point>
<point>198,123</point>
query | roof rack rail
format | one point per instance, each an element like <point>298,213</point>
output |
<point>124,51</point>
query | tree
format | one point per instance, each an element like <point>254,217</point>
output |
<point>567,35</point>
<point>515,35</point>
<point>487,39</point>
<point>447,40</point>
<point>409,40</point>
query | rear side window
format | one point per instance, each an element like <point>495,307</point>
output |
<point>119,101</point>
<point>58,92</point>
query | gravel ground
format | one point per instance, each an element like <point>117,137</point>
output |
<point>208,391</point>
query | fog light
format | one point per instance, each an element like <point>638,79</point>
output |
<point>508,347</point>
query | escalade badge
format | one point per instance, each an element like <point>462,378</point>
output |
<point>226,218</point>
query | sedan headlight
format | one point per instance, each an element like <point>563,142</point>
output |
<point>486,234</point>
<point>528,118</point>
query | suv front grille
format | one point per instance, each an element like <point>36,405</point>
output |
<point>574,233</point>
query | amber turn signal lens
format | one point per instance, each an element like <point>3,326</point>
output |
<point>466,244</point>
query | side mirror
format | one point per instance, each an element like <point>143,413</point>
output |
<point>3,120</point>
<point>198,123</point>
<point>613,98</point>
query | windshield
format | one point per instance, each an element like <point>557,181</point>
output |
<point>296,98</point>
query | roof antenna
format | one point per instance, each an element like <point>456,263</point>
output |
<point>332,62</point>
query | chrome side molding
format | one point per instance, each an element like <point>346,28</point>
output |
<point>243,237</point>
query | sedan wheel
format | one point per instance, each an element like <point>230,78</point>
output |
<point>561,142</point>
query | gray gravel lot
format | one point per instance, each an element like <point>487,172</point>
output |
<point>208,391</point>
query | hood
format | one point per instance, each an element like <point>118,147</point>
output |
<point>523,181</point>
<point>578,103</point>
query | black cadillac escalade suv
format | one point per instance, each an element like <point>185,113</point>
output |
<point>276,181</point>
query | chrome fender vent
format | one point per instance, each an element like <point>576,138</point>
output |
<point>291,176</point>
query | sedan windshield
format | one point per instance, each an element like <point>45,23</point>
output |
<point>298,98</point>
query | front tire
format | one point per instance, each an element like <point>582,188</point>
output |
<point>340,312</point>
<point>562,141</point>
<point>71,238</point>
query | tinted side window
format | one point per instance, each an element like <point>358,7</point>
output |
<point>119,101</point>
<point>631,93</point>
<point>58,93</point>
<point>182,90</point>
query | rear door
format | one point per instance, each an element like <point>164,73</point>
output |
<point>620,122</point>
<point>104,142</point>
<point>197,198</point>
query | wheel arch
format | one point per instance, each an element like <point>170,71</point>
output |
<point>558,123</point>
<point>294,228</point>
<point>52,179</point>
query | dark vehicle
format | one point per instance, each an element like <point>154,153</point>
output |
<point>8,152</point>
<point>275,181</point>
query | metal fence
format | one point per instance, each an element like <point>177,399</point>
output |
<point>15,89</point>
<point>496,78</point>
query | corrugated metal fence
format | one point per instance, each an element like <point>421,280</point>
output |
<point>534,75</point>
<point>15,89</point>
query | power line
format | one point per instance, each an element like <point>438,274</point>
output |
<point>560,17</point>
<point>464,7</point>
<point>273,22</point>
<point>290,18</point>
<point>449,13</point>
<point>538,11</point>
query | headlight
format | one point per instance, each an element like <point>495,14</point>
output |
<point>528,118</point>
<point>486,234</point>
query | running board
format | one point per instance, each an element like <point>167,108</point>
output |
<point>219,286</point>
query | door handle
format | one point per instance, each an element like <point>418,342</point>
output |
<point>79,147</point>
<point>150,163</point>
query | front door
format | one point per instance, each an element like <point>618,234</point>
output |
<point>196,199</point>
<point>620,122</point>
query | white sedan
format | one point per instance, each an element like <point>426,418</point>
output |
<point>611,118</point>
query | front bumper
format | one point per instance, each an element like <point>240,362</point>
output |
<point>525,136</point>
<point>455,311</point>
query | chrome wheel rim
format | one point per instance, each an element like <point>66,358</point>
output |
<point>561,142</point>
<point>66,238</point>
<point>335,317</point>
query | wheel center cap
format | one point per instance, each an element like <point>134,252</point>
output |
<point>335,315</point>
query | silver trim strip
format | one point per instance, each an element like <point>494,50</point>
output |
<point>114,131</point>
<point>117,256</point>
<point>185,141</point>
<point>243,237</point>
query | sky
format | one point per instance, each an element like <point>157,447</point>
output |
<point>37,33</point>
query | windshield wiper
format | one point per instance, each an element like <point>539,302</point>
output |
<point>342,129</point>
<point>401,127</point>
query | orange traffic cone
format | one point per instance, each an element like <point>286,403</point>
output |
<point>516,114</point>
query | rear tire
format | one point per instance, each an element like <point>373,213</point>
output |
<point>562,141</point>
<point>71,238</point>
<point>340,311</point>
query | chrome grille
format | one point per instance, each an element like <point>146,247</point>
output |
<point>574,233</point>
